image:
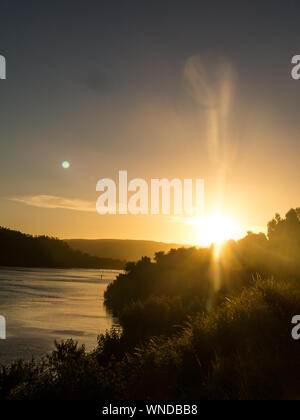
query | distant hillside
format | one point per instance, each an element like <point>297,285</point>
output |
<point>20,250</point>
<point>130,250</point>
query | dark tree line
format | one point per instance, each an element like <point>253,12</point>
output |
<point>21,250</point>
<point>192,276</point>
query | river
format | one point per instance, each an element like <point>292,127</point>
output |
<point>43,305</point>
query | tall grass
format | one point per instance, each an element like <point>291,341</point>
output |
<point>241,350</point>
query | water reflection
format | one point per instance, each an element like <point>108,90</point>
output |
<point>41,305</point>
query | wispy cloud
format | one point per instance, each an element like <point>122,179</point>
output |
<point>53,202</point>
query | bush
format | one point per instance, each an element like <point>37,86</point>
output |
<point>240,350</point>
<point>243,350</point>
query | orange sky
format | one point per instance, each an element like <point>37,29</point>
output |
<point>214,100</point>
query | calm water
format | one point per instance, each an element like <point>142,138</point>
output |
<point>41,305</point>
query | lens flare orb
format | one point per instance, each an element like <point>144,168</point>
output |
<point>65,164</point>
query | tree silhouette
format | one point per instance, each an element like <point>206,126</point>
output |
<point>284,237</point>
<point>20,250</point>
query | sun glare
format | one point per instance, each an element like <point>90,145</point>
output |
<point>215,229</point>
<point>218,229</point>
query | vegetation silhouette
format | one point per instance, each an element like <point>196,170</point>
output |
<point>193,325</point>
<point>20,250</point>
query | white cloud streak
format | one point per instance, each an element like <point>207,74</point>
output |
<point>53,202</point>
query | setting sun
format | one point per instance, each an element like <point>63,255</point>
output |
<point>215,228</point>
<point>218,228</point>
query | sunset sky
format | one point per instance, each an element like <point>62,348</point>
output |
<point>119,85</point>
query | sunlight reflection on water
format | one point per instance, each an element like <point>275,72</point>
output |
<point>43,305</point>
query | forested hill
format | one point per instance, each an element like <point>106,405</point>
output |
<point>125,249</point>
<point>20,250</point>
